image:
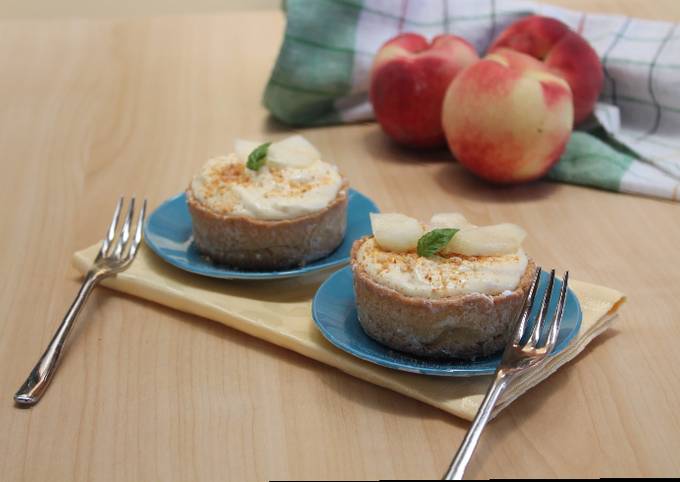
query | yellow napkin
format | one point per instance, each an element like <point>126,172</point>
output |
<point>280,312</point>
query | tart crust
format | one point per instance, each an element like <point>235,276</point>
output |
<point>254,244</point>
<point>464,326</point>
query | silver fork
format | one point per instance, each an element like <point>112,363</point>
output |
<point>518,356</point>
<point>111,259</point>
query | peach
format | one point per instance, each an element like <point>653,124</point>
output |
<point>508,118</point>
<point>564,52</point>
<point>408,82</point>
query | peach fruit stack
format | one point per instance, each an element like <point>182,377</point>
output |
<point>506,117</point>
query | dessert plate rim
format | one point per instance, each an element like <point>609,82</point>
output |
<point>334,313</point>
<point>167,231</point>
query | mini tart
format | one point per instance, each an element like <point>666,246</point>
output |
<point>464,326</point>
<point>254,244</point>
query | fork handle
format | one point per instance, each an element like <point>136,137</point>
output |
<point>464,454</point>
<point>35,385</point>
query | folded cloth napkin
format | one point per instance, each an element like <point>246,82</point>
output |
<point>280,312</point>
<point>322,72</point>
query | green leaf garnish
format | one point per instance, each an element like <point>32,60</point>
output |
<point>258,157</point>
<point>434,241</point>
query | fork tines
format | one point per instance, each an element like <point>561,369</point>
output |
<point>125,246</point>
<point>535,341</point>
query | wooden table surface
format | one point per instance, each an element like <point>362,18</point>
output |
<point>91,109</point>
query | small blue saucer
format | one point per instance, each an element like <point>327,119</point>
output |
<point>334,312</point>
<point>167,232</point>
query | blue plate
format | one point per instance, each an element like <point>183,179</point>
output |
<point>334,312</point>
<point>168,233</point>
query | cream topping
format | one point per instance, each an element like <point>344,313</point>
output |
<point>225,185</point>
<point>442,277</point>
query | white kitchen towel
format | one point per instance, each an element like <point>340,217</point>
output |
<point>322,72</point>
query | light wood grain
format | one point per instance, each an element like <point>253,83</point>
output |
<point>91,109</point>
<point>90,9</point>
<point>663,9</point>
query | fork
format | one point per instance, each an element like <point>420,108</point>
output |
<point>519,355</point>
<point>111,259</point>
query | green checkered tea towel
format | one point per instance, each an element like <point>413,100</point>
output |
<point>322,71</point>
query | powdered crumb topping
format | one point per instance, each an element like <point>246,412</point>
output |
<point>227,186</point>
<point>442,276</point>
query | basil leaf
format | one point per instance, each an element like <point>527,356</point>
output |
<point>434,241</point>
<point>258,157</point>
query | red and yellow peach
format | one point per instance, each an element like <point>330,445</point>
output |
<point>507,118</point>
<point>408,81</point>
<point>563,51</point>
